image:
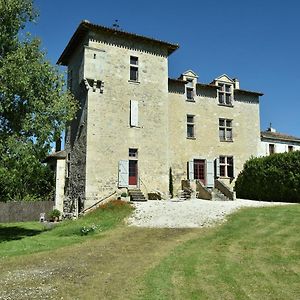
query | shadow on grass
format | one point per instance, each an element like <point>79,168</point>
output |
<point>16,233</point>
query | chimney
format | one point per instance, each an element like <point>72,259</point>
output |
<point>270,129</point>
<point>236,83</point>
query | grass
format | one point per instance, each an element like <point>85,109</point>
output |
<point>30,237</point>
<point>255,255</point>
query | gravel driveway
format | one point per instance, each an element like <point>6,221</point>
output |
<point>187,214</point>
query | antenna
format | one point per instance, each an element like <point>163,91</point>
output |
<point>116,25</point>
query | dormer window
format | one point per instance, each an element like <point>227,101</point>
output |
<point>190,90</point>
<point>225,94</point>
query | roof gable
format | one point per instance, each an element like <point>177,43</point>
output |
<point>224,78</point>
<point>190,73</point>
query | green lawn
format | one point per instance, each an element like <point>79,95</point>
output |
<point>255,255</point>
<point>29,237</point>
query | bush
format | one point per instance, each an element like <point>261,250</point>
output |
<point>272,178</point>
<point>124,194</point>
<point>55,213</point>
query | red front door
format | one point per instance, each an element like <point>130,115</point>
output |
<point>199,170</point>
<point>133,172</point>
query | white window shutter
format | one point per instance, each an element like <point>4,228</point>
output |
<point>210,178</point>
<point>191,169</point>
<point>233,168</point>
<point>123,173</point>
<point>217,164</point>
<point>134,113</point>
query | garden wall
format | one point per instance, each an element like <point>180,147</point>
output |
<point>24,211</point>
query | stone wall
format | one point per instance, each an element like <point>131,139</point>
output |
<point>109,134</point>
<point>206,144</point>
<point>24,211</point>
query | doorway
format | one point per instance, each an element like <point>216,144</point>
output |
<point>133,172</point>
<point>199,170</point>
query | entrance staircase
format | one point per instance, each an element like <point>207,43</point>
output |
<point>217,195</point>
<point>136,195</point>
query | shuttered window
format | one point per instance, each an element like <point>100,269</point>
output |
<point>134,113</point>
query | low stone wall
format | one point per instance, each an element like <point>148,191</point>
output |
<point>24,211</point>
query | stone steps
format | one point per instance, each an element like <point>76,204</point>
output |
<point>218,195</point>
<point>136,195</point>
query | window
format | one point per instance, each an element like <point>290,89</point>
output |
<point>225,130</point>
<point>190,123</point>
<point>290,148</point>
<point>189,90</point>
<point>134,69</point>
<point>134,113</point>
<point>225,94</point>
<point>133,153</point>
<point>271,148</point>
<point>226,166</point>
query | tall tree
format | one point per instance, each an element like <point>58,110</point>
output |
<point>34,105</point>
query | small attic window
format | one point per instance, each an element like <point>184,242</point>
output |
<point>225,94</point>
<point>189,90</point>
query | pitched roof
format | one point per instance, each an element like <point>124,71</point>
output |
<point>85,26</point>
<point>248,92</point>
<point>56,155</point>
<point>180,81</point>
<point>279,136</point>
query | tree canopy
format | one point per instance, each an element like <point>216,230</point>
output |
<point>34,105</point>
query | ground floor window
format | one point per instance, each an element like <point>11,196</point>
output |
<point>226,166</point>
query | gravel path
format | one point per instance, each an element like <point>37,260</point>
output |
<point>187,214</point>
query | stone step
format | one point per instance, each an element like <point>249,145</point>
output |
<point>136,195</point>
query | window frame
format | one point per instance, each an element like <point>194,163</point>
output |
<point>134,68</point>
<point>271,146</point>
<point>189,86</point>
<point>226,165</point>
<point>222,91</point>
<point>190,124</point>
<point>226,129</point>
<point>133,153</point>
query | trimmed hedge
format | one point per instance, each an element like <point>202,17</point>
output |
<point>272,178</point>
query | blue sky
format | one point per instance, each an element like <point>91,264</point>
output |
<point>255,41</point>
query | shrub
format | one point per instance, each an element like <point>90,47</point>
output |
<point>124,194</point>
<point>272,178</point>
<point>55,213</point>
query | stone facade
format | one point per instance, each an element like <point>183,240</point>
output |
<point>135,123</point>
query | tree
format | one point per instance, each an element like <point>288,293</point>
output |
<point>34,106</point>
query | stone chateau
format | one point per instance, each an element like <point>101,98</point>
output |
<point>137,128</point>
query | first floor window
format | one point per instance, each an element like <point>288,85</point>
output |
<point>190,130</point>
<point>226,166</point>
<point>225,130</point>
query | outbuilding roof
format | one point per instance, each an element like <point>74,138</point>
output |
<point>85,26</point>
<point>279,136</point>
<point>56,155</point>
